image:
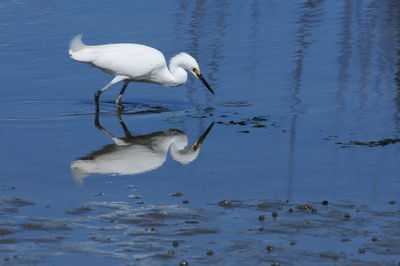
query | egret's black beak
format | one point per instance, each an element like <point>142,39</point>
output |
<point>200,76</point>
<point>203,136</point>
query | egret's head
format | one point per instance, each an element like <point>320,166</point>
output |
<point>190,64</point>
<point>187,62</point>
<point>184,154</point>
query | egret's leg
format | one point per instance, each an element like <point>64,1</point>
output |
<point>117,141</point>
<point>124,127</point>
<point>112,82</point>
<point>97,94</point>
<point>118,100</point>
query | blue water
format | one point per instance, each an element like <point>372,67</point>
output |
<point>319,74</point>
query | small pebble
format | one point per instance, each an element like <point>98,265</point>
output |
<point>290,210</point>
<point>177,194</point>
<point>375,239</point>
<point>270,248</point>
<point>210,253</point>
<point>392,202</point>
<point>361,250</point>
<point>225,203</point>
<point>175,243</point>
<point>313,211</point>
<point>171,252</point>
<point>192,222</point>
<point>261,218</point>
<point>324,202</point>
<point>184,263</point>
<point>134,196</point>
<point>274,214</point>
<point>347,216</point>
<point>292,243</point>
<point>275,264</point>
<point>304,207</point>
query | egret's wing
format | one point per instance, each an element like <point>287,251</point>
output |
<point>130,60</point>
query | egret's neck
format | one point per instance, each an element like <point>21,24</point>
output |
<point>177,71</point>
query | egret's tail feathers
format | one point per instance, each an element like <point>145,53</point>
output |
<point>76,44</point>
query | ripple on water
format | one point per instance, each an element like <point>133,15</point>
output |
<point>65,109</point>
<point>236,104</point>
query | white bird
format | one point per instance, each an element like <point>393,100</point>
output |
<point>135,62</point>
<point>137,154</point>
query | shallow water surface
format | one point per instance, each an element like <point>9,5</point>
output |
<point>294,161</point>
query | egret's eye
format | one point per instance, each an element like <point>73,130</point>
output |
<point>195,70</point>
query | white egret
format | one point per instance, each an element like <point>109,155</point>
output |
<point>132,155</point>
<point>135,62</point>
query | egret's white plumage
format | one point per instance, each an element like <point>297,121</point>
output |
<point>138,154</point>
<point>135,62</point>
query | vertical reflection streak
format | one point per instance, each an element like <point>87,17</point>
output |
<point>180,17</point>
<point>395,5</point>
<point>307,21</point>
<point>345,54</point>
<point>220,27</point>
<point>365,46</point>
<point>253,38</point>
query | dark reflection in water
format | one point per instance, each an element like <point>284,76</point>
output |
<point>196,25</point>
<point>132,155</point>
<point>369,43</point>
<point>394,7</point>
<point>309,18</point>
<point>345,53</point>
<point>220,23</point>
<point>253,54</point>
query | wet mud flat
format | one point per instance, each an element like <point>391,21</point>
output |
<point>228,232</point>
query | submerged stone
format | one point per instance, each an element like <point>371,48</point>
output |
<point>270,248</point>
<point>225,203</point>
<point>184,263</point>
<point>258,118</point>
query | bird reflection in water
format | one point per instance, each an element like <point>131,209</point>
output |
<point>137,154</point>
